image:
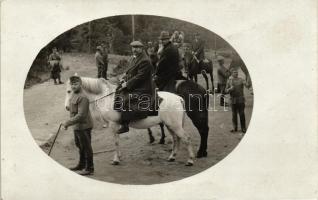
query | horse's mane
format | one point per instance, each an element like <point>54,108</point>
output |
<point>94,85</point>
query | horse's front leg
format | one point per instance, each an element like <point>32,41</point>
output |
<point>116,160</point>
<point>151,138</point>
<point>162,139</point>
<point>203,72</point>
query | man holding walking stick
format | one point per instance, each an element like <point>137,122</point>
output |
<point>80,119</point>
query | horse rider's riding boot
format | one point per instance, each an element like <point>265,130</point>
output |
<point>124,127</point>
<point>89,170</point>
<point>80,165</point>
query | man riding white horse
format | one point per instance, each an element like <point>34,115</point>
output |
<point>136,86</point>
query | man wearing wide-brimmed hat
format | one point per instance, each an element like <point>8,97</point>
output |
<point>168,69</point>
<point>136,84</point>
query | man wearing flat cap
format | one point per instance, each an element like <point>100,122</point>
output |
<point>235,86</point>
<point>237,63</point>
<point>80,119</point>
<point>100,64</point>
<point>168,70</point>
<point>136,85</point>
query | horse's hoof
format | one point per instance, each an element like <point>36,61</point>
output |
<point>189,164</point>
<point>171,159</point>
<point>202,154</point>
<point>115,163</point>
<point>161,142</point>
<point>151,140</point>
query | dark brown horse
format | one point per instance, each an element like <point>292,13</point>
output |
<point>196,101</point>
<point>194,67</point>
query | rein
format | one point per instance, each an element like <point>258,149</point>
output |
<point>95,100</point>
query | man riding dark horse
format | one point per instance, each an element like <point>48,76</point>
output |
<point>198,49</point>
<point>136,86</point>
<point>168,69</point>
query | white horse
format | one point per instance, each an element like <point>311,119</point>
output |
<point>101,94</point>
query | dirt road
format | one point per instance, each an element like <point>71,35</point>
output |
<point>142,163</point>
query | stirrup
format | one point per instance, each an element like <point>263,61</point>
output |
<point>123,129</point>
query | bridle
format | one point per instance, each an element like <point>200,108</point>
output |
<point>95,100</point>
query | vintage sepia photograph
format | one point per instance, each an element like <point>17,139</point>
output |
<point>159,100</point>
<point>138,99</point>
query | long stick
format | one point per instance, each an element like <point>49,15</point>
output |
<point>54,139</point>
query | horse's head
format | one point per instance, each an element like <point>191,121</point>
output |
<point>92,87</point>
<point>68,95</point>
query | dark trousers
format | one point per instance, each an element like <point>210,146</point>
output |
<point>102,71</point>
<point>238,109</point>
<point>83,142</point>
<point>222,91</point>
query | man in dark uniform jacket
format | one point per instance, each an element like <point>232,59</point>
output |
<point>223,75</point>
<point>136,86</point>
<point>235,86</point>
<point>168,69</point>
<point>81,120</point>
<point>198,49</point>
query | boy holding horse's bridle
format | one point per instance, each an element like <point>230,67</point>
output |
<point>82,123</point>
